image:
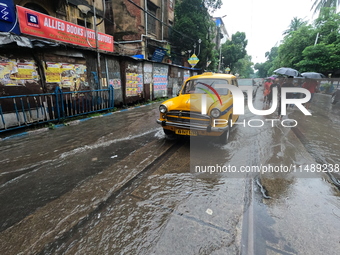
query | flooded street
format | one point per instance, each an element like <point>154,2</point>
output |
<point>114,185</point>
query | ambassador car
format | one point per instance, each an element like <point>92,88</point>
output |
<point>203,107</point>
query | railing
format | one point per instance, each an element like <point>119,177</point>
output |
<point>25,110</point>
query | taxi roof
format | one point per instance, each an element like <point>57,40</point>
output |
<point>209,75</point>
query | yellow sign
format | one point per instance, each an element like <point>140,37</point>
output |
<point>193,60</point>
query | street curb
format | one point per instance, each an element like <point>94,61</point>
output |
<point>71,123</point>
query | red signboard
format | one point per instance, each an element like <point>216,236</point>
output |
<point>41,25</point>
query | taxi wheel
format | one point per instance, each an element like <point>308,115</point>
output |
<point>224,138</point>
<point>169,135</point>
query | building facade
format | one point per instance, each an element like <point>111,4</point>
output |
<point>142,28</point>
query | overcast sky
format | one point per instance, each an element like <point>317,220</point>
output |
<point>263,21</point>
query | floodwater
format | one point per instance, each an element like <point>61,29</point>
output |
<point>113,185</point>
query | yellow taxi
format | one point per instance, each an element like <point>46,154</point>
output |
<point>203,107</point>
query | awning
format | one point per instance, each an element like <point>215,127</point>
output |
<point>8,38</point>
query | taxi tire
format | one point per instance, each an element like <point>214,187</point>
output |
<point>169,135</point>
<point>224,138</point>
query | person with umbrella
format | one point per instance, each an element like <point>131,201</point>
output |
<point>311,85</point>
<point>288,83</point>
<point>287,71</point>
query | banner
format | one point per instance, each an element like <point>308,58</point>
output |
<point>44,26</point>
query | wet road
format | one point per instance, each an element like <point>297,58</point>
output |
<point>113,185</point>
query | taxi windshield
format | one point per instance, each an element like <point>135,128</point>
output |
<point>205,86</point>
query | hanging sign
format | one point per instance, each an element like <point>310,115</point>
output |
<point>193,60</point>
<point>44,26</point>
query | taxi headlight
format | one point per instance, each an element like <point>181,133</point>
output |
<point>215,113</point>
<point>162,108</point>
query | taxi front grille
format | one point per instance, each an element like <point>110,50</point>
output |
<point>186,117</point>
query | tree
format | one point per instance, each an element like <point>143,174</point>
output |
<point>322,58</point>
<point>295,24</point>
<point>319,4</point>
<point>261,70</point>
<point>290,51</point>
<point>235,49</point>
<point>244,67</point>
<point>327,25</point>
<point>266,68</point>
<point>190,28</point>
<point>313,47</point>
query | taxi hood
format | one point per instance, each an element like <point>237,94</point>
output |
<point>190,102</point>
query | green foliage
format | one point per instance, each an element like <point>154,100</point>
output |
<point>326,87</point>
<point>295,24</point>
<point>318,5</point>
<point>233,50</point>
<point>290,51</point>
<point>51,125</point>
<point>193,21</point>
<point>244,67</point>
<point>321,57</point>
<point>309,48</point>
<point>266,68</point>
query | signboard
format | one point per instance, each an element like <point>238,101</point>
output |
<point>193,60</point>
<point>44,26</point>
<point>5,13</point>
<point>8,17</point>
<point>158,55</point>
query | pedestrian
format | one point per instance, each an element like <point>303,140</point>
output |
<point>288,83</point>
<point>297,84</point>
<point>266,90</point>
<point>270,94</point>
<point>311,86</point>
<point>280,82</point>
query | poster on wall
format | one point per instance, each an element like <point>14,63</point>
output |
<point>147,73</point>
<point>134,80</point>
<point>160,80</point>
<point>115,83</point>
<point>15,72</point>
<point>53,72</point>
<point>71,76</point>
<point>186,75</point>
<point>68,75</point>
<point>131,84</point>
<point>139,83</point>
<point>7,67</point>
<point>25,71</point>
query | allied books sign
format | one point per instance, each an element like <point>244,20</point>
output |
<point>44,26</point>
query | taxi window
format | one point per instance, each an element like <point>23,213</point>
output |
<point>203,86</point>
<point>234,82</point>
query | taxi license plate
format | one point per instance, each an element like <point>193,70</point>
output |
<point>186,132</point>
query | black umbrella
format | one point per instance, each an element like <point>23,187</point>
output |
<point>313,75</point>
<point>287,71</point>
